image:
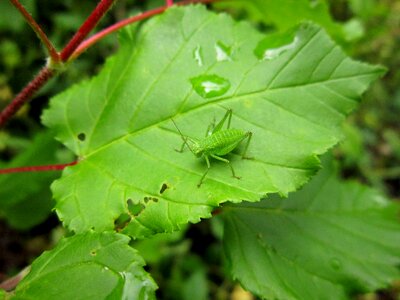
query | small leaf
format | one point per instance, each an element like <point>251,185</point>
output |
<point>327,241</point>
<point>96,265</point>
<point>294,105</point>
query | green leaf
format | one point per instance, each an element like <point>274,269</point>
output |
<point>88,266</point>
<point>329,240</point>
<point>293,97</point>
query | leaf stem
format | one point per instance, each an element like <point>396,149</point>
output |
<point>85,29</point>
<point>40,79</point>
<point>169,2</point>
<point>57,167</point>
<point>55,57</point>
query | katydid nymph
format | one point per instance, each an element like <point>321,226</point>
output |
<point>218,142</point>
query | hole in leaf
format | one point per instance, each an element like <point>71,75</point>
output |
<point>148,199</point>
<point>163,188</point>
<point>134,209</point>
<point>81,136</point>
<point>121,222</point>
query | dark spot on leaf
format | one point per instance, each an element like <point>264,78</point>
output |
<point>93,253</point>
<point>163,188</point>
<point>81,136</point>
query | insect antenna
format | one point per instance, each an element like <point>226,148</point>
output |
<point>182,136</point>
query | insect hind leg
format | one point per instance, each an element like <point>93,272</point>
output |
<point>228,115</point>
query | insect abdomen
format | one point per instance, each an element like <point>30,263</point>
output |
<point>222,142</point>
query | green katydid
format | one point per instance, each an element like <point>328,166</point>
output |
<point>218,142</point>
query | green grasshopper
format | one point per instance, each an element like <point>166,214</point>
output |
<point>218,142</point>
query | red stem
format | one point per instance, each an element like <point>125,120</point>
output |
<point>170,2</point>
<point>101,34</point>
<point>58,167</point>
<point>76,46</point>
<point>38,30</point>
<point>98,36</point>
<point>86,27</point>
<point>41,78</point>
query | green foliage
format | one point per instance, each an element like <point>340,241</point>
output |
<point>98,265</point>
<point>285,14</point>
<point>327,241</point>
<point>25,198</point>
<point>293,98</point>
<point>11,19</point>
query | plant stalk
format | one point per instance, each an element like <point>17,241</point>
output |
<point>91,22</point>
<point>58,167</point>
<point>41,78</point>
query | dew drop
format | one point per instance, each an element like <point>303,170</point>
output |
<point>275,52</point>
<point>335,264</point>
<point>223,53</point>
<point>209,86</point>
<point>275,45</point>
<point>198,56</point>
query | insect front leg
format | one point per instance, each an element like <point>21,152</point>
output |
<point>249,136</point>
<point>183,145</point>
<point>228,162</point>
<point>205,173</point>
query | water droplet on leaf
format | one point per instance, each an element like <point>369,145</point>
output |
<point>209,86</point>
<point>223,53</point>
<point>275,52</point>
<point>275,45</point>
<point>198,56</point>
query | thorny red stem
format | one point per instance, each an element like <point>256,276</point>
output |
<point>38,30</point>
<point>41,78</point>
<point>98,36</point>
<point>86,27</point>
<point>58,167</point>
<point>101,34</point>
